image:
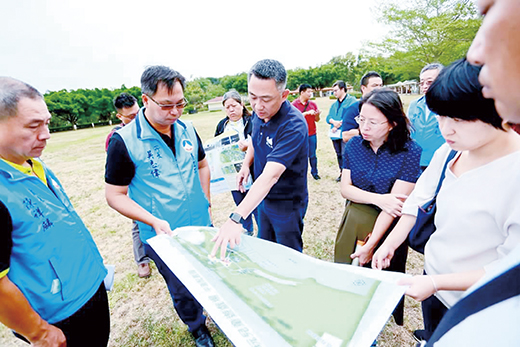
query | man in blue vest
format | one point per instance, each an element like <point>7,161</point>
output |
<point>51,273</point>
<point>279,151</point>
<point>157,174</point>
<point>127,109</point>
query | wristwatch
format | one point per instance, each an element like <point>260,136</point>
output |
<point>235,217</point>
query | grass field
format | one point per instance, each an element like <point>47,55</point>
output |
<point>141,310</point>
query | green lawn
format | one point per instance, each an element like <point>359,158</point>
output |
<point>141,310</point>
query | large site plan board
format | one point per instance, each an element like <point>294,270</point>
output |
<point>266,294</point>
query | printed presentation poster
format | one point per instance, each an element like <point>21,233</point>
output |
<point>225,161</point>
<point>266,294</point>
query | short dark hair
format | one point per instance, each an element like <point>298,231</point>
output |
<point>457,93</point>
<point>304,87</point>
<point>153,75</point>
<point>11,92</point>
<point>389,104</point>
<point>340,84</point>
<point>124,100</point>
<point>368,76</point>
<point>270,69</point>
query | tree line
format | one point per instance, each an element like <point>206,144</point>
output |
<point>420,32</point>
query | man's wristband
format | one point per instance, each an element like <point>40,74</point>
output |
<point>235,217</point>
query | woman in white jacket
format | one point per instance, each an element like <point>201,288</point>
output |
<point>478,206</point>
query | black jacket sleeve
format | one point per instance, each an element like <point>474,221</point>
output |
<point>6,241</point>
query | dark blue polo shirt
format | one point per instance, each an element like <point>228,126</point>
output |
<point>284,140</point>
<point>377,172</point>
<point>348,116</point>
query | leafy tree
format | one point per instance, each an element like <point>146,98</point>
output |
<point>214,90</point>
<point>298,76</point>
<point>237,82</point>
<point>103,107</point>
<point>422,31</point>
<point>136,92</point>
<point>61,106</point>
<point>425,31</point>
<point>338,68</point>
<point>201,90</point>
<point>194,94</point>
<point>345,67</point>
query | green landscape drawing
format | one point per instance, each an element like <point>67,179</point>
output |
<point>297,308</point>
<point>231,154</point>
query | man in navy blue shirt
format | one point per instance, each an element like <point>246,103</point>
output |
<point>349,127</point>
<point>279,152</point>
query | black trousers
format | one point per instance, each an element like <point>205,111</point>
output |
<point>187,307</point>
<point>90,325</point>
<point>433,310</point>
<point>338,148</point>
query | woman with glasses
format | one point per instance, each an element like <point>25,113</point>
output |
<point>237,119</point>
<point>478,206</point>
<point>380,168</point>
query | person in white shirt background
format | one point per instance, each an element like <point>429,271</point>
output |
<point>478,205</point>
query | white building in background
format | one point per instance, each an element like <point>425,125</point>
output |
<point>406,87</point>
<point>215,104</point>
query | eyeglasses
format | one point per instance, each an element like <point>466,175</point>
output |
<point>371,123</point>
<point>425,83</point>
<point>169,107</point>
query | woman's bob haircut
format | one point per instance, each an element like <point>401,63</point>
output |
<point>457,93</point>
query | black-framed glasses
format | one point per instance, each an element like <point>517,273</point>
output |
<point>169,107</point>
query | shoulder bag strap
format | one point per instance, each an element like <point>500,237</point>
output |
<point>443,173</point>
<point>306,106</point>
<point>497,290</point>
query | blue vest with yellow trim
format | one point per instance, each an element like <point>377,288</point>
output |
<point>54,260</point>
<point>165,185</point>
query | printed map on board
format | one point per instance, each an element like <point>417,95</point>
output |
<point>266,294</point>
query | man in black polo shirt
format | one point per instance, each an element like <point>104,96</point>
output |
<point>279,151</point>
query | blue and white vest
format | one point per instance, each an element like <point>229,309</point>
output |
<point>54,260</point>
<point>165,185</point>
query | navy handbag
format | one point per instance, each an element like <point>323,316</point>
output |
<point>424,226</point>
